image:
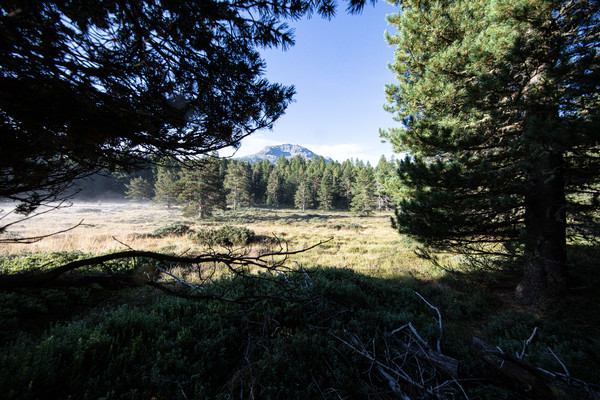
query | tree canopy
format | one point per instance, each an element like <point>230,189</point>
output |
<point>499,103</point>
<point>95,85</point>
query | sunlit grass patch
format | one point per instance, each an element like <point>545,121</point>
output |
<point>366,244</point>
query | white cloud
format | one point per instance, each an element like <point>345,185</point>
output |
<point>250,145</point>
<point>339,152</point>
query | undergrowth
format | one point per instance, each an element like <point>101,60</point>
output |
<point>148,345</point>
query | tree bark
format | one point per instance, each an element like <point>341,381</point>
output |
<point>545,223</point>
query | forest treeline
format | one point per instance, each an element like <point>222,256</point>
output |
<point>210,183</point>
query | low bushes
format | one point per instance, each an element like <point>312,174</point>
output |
<point>225,236</point>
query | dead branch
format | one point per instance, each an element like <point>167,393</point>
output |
<point>418,368</point>
<point>527,343</point>
<point>421,349</point>
<point>35,239</point>
<point>530,380</point>
<point>238,265</point>
<point>439,341</point>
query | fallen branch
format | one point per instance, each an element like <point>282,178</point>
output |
<point>439,341</point>
<point>238,265</point>
<point>526,378</point>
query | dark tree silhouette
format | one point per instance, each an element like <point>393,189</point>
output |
<point>98,85</point>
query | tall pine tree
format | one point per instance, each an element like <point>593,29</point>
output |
<point>363,191</point>
<point>500,105</point>
<point>303,197</point>
<point>325,195</point>
<point>166,187</point>
<point>237,182</point>
<point>202,188</point>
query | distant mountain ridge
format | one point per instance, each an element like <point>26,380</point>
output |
<point>272,153</point>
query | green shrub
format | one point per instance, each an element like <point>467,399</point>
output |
<point>174,348</point>
<point>29,262</point>
<point>176,228</point>
<point>225,236</point>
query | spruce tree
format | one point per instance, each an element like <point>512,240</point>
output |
<point>274,189</point>
<point>139,189</point>
<point>363,191</point>
<point>303,197</point>
<point>166,187</point>
<point>202,188</point>
<point>500,109</point>
<point>237,182</point>
<point>325,196</point>
<point>347,182</point>
<point>384,176</point>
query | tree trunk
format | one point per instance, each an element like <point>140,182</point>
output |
<point>545,224</point>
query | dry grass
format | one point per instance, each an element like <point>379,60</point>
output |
<point>366,244</point>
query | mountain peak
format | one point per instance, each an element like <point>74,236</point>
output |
<point>272,153</point>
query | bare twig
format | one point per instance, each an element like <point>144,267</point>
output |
<point>124,244</point>
<point>561,363</point>
<point>35,239</point>
<point>175,277</point>
<point>439,341</point>
<point>526,344</point>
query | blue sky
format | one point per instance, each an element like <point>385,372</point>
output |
<point>339,69</point>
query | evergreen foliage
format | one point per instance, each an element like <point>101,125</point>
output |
<point>139,189</point>
<point>500,104</point>
<point>325,196</point>
<point>237,182</point>
<point>384,177</point>
<point>363,191</point>
<point>167,187</point>
<point>273,189</point>
<point>303,197</point>
<point>202,188</point>
<point>99,85</point>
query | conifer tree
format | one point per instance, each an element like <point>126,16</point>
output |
<point>98,85</point>
<point>384,174</point>
<point>274,189</point>
<point>347,183</point>
<point>260,177</point>
<point>303,197</point>
<point>166,187</point>
<point>500,106</point>
<point>202,188</point>
<point>325,196</point>
<point>139,189</point>
<point>237,182</point>
<point>363,191</point>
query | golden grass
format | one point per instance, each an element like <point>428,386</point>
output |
<point>366,244</point>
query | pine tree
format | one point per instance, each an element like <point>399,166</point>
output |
<point>363,191</point>
<point>384,177</point>
<point>303,197</point>
<point>325,196</point>
<point>139,189</point>
<point>166,187</point>
<point>237,182</point>
<point>500,107</point>
<point>202,188</point>
<point>347,182</point>
<point>260,177</point>
<point>97,85</point>
<point>274,189</point>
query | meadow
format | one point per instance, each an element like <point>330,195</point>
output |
<point>366,244</point>
<point>364,303</point>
